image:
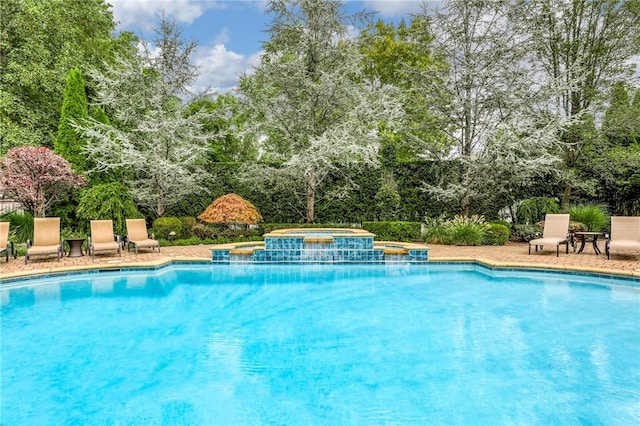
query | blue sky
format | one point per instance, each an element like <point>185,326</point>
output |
<point>229,33</point>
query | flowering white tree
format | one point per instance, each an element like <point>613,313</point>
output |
<point>312,106</point>
<point>151,139</point>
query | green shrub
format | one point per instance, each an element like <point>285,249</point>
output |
<point>107,201</point>
<point>164,226</point>
<point>188,223</point>
<point>496,235</point>
<point>595,217</point>
<point>394,231</point>
<point>21,226</point>
<point>527,231</point>
<point>533,210</point>
<point>467,231</point>
<point>203,231</point>
<point>436,231</point>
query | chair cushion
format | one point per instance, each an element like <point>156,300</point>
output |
<point>546,241</point>
<point>43,249</point>
<point>145,243</point>
<point>105,246</point>
<point>624,244</point>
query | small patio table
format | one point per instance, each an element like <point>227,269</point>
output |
<point>75,247</point>
<point>594,240</point>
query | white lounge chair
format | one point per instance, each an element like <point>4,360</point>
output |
<point>102,238</point>
<point>625,234</point>
<point>46,238</point>
<point>556,231</point>
<point>138,237</point>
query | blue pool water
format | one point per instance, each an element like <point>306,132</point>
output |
<point>320,344</point>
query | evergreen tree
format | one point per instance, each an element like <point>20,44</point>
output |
<point>69,143</point>
<point>619,121</point>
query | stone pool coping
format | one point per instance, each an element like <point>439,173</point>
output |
<point>308,233</point>
<point>166,260</point>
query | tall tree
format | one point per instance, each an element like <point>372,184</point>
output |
<point>621,124</point>
<point>394,54</point>
<point>587,45</point>
<point>484,85</point>
<point>151,136</point>
<point>68,143</point>
<point>40,41</point>
<point>37,177</point>
<point>315,112</point>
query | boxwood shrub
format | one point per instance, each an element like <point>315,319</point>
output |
<point>394,231</point>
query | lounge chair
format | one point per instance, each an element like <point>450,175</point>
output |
<point>102,238</point>
<point>625,234</point>
<point>6,246</point>
<point>46,238</point>
<point>556,230</point>
<point>138,237</point>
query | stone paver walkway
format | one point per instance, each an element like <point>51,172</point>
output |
<point>512,254</point>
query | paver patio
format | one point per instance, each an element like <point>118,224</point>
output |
<point>512,254</point>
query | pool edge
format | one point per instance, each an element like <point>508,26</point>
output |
<point>167,261</point>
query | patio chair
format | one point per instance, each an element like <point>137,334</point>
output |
<point>6,246</point>
<point>138,237</point>
<point>102,238</point>
<point>556,230</point>
<point>625,234</point>
<point>46,238</point>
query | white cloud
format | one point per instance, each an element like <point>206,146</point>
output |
<point>136,15</point>
<point>220,69</point>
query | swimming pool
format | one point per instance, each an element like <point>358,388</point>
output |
<point>321,344</point>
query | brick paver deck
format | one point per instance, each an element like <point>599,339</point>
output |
<point>512,254</point>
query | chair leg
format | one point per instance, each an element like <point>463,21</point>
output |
<point>529,248</point>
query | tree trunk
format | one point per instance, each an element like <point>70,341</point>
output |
<point>160,207</point>
<point>311,199</point>
<point>566,196</point>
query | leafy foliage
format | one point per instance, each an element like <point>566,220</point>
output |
<point>68,143</point>
<point>159,146</point>
<point>309,99</point>
<point>594,217</point>
<point>37,177</point>
<point>41,40</point>
<point>533,210</point>
<point>231,209</point>
<point>108,201</point>
<point>21,226</point>
<point>394,231</point>
<point>164,226</point>
<point>496,235</point>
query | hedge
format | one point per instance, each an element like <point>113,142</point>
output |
<point>394,231</point>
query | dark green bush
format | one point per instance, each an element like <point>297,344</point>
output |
<point>107,201</point>
<point>595,217</point>
<point>527,231</point>
<point>164,226</point>
<point>21,226</point>
<point>533,210</point>
<point>394,231</point>
<point>203,231</point>
<point>188,223</point>
<point>496,235</point>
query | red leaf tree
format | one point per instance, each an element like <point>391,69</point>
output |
<point>37,177</point>
<point>231,209</point>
